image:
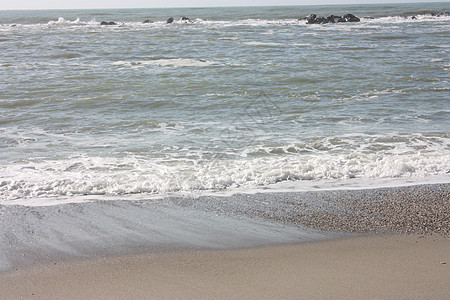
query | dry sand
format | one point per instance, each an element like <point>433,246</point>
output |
<point>376,267</point>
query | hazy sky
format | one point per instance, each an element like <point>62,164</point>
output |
<point>63,4</point>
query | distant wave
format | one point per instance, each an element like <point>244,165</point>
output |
<point>407,16</point>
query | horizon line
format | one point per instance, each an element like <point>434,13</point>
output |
<point>219,6</point>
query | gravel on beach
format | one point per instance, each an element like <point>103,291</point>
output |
<point>420,209</point>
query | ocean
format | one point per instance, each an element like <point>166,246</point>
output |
<point>233,100</point>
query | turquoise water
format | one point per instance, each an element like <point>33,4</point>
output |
<point>236,98</point>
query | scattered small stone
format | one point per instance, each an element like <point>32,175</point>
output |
<point>443,263</point>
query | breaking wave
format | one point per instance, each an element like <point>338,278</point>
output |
<point>344,158</point>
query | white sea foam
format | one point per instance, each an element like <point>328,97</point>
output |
<point>406,19</point>
<point>382,158</point>
<point>77,22</point>
<point>62,21</point>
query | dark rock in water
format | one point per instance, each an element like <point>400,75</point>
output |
<point>333,19</point>
<point>147,21</point>
<point>314,19</point>
<point>185,19</point>
<point>351,18</point>
<point>170,20</point>
<point>321,20</point>
<point>104,23</point>
<point>311,19</point>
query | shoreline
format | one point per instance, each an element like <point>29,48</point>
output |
<point>113,238</point>
<point>42,234</point>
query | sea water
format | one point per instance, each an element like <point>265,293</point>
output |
<point>233,99</point>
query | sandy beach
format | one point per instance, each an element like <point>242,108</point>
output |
<point>387,243</point>
<point>386,267</point>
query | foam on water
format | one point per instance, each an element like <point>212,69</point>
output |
<point>396,157</point>
<point>62,21</point>
<point>407,19</point>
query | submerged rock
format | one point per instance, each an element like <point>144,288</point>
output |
<point>170,20</point>
<point>147,21</point>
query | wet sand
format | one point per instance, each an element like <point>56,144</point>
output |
<point>379,243</point>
